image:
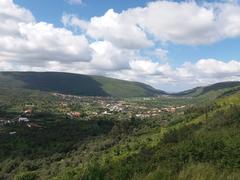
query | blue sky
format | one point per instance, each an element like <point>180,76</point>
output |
<point>225,50</point>
<point>52,10</point>
<point>171,45</point>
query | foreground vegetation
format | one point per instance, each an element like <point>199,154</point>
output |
<point>205,145</point>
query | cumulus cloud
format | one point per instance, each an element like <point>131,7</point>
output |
<point>106,56</point>
<point>148,67</point>
<point>118,29</point>
<point>211,68</point>
<point>43,42</point>
<point>183,22</point>
<point>29,42</point>
<point>11,15</point>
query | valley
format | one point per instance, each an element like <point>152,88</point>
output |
<point>50,135</point>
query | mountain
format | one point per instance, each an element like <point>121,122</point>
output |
<point>91,85</point>
<point>75,84</point>
<point>213,90</point>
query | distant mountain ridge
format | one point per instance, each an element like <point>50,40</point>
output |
<point>76,84</point>
<point>92,85</point>
<point>213,90</point>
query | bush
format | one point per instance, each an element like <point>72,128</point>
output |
<point>205,172</point>
<point>27,176</point>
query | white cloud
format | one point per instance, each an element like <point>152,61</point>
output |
<point>229,20</point>
<point>184,23</point>
<point>74,2</point>
<point>163,76</point>
<point>211,68</point>
<point>179,22</point>
<point>106,56</point>
<point>113,27</point>
<point>72,20</point>
<point>11,11</point>
<point>149,68</point>
<point>25,41</point>
<point>10,16</point>
<point>53,43</point>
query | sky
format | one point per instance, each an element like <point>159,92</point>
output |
<point>171,45</point>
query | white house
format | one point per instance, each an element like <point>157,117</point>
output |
<point>23,119</point>
<point>106,113</point>
<point>12,133</point>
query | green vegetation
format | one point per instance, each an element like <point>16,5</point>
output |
<point>75,84</point>
<point>120,88</point>
<point>212,91</point>
<point>198,141</point>
<point>204,147</point>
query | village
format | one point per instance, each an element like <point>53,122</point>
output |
<point>88,108</point>
<point>109,106</point>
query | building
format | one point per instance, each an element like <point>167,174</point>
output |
<point>106,113</point>
<point>23,119</point>
<point>72,115</point>
<point>172,110</point>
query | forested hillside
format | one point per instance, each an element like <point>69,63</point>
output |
<point>75,84</point>
<point>212,91</point>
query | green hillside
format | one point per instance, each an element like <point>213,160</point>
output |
<point>212,91</point>
<point>75,84</point>
<point>203,144</point>
<point>120,88</point>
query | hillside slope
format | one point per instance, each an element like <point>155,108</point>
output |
<point>213,90</point>
<point>75,84</point>
<point>198,146</point>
